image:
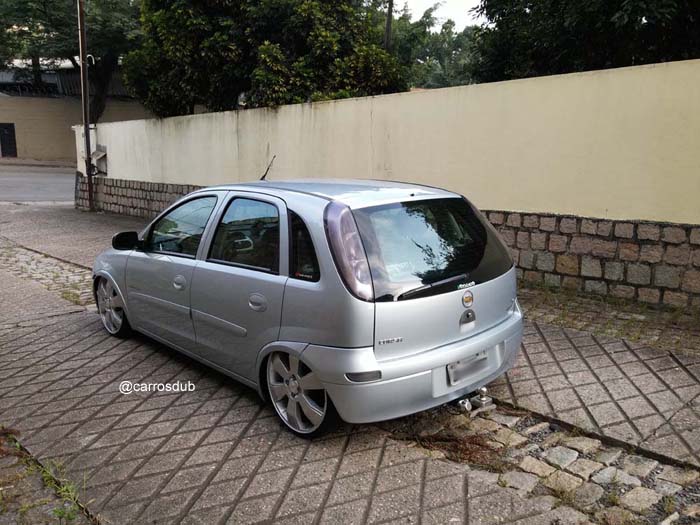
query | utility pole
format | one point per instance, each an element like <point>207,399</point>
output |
<point>85,93</point>
<point>387,30</point>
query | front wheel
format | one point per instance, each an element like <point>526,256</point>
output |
<point>298,396</point>
<point>111,309</point>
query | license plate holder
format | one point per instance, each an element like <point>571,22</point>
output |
<point>463,369</point>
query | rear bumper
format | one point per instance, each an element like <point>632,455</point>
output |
<point>414,383</point>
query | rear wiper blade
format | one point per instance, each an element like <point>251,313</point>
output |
<point>436,284</point>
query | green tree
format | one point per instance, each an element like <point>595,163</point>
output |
<point>526,38</point>
<point>47,30</point>
<point>435,56</point>
<point>216,53</point>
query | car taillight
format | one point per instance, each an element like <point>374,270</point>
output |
<point>348,252</point>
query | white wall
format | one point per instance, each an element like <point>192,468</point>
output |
<point>622,144</point>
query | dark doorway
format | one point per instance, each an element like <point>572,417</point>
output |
<point>8,142</point>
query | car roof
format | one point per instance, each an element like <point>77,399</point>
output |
<point>356,193</point>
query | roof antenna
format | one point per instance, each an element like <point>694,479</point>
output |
<point>268,168</point>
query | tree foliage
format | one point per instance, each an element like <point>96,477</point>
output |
<point>212,52</point>
<point>525,38</point>
<point>48,30</point>
<point>437,56</point>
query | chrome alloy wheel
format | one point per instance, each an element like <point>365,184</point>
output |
<point>110,306</point>
<point>296,392</point>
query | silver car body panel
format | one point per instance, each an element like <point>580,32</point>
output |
<point>407,322</point>
<point>216,319</point>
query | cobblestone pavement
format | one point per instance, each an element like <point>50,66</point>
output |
<point>216,455</point>
<point>61,231</point>
<point>666,329</point>
<point>617,388</point>
<point>630,392</point>
<point>71,282</point>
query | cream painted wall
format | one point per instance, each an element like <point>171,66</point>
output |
<point>622,144</point>
<point>43,125</point>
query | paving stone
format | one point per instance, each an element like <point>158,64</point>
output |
<point>535,466</point>
<point>481,482</point>
<point>692,511</point>
<point>399,476</point>
<point>509,438</point>
<point>520,481</point>
<point>639,499</point>
<point>395,504</point>
<point>480,424</point>
<point>561,516</point>
<point>615,516</point>
<point>638,466</point>
<point>560,457</point>
<point>583,468</point>
<point>345,513</point>
<point>683,477</point>
<point>504,419</point>
<point>670,519</point>
<point>582,444</point>
<point>608,456</point>
<point>562,482</point>
<point>614,475</point>
<point>587,494</point>
<point>666,488</point>
<point>534,429</point>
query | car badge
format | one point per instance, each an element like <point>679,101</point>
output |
<point>467,299</point>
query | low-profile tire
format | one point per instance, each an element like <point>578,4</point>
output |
<point>110,306</point>
<point>298,396</point>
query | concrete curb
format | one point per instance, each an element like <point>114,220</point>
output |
<point>29,163</point>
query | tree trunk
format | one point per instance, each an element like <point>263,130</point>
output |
<point>389,20</point>
<point>37,81</point>
<point>100,76</point>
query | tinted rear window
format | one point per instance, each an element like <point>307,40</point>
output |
<point>415,244</point>
<point>303,263</point>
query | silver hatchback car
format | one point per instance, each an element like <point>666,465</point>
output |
<point>367,300</point>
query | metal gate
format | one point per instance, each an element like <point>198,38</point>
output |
<point>8,141</point>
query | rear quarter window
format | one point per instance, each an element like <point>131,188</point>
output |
<point>303,263</point>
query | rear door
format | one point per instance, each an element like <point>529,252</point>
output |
<point>159,276</point>
<point>238,288</point>
<point>439,270</point>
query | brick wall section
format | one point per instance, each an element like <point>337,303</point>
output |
<point>654,263</point>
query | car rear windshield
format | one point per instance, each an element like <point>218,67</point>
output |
<point>426,247</point>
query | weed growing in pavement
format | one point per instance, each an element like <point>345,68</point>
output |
<point>612,498</point>
<point>52,475</point>
<point>71,296</point>
<point>668,504</point>
<point>565,497</point>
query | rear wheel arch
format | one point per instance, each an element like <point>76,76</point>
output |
<point>289,347</point>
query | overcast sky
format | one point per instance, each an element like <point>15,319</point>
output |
<point>457,10</point>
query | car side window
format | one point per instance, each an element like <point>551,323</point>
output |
<point>303,263</point>
<point>248,235</point>
<point>180,230</point>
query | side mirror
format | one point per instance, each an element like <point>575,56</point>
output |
<point>126,241</point>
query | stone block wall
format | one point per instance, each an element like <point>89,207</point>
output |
<point>129,197</point>
<point>655,263</point>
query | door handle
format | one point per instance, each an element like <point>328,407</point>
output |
<point>257,302</point>
<point>179,282</point>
